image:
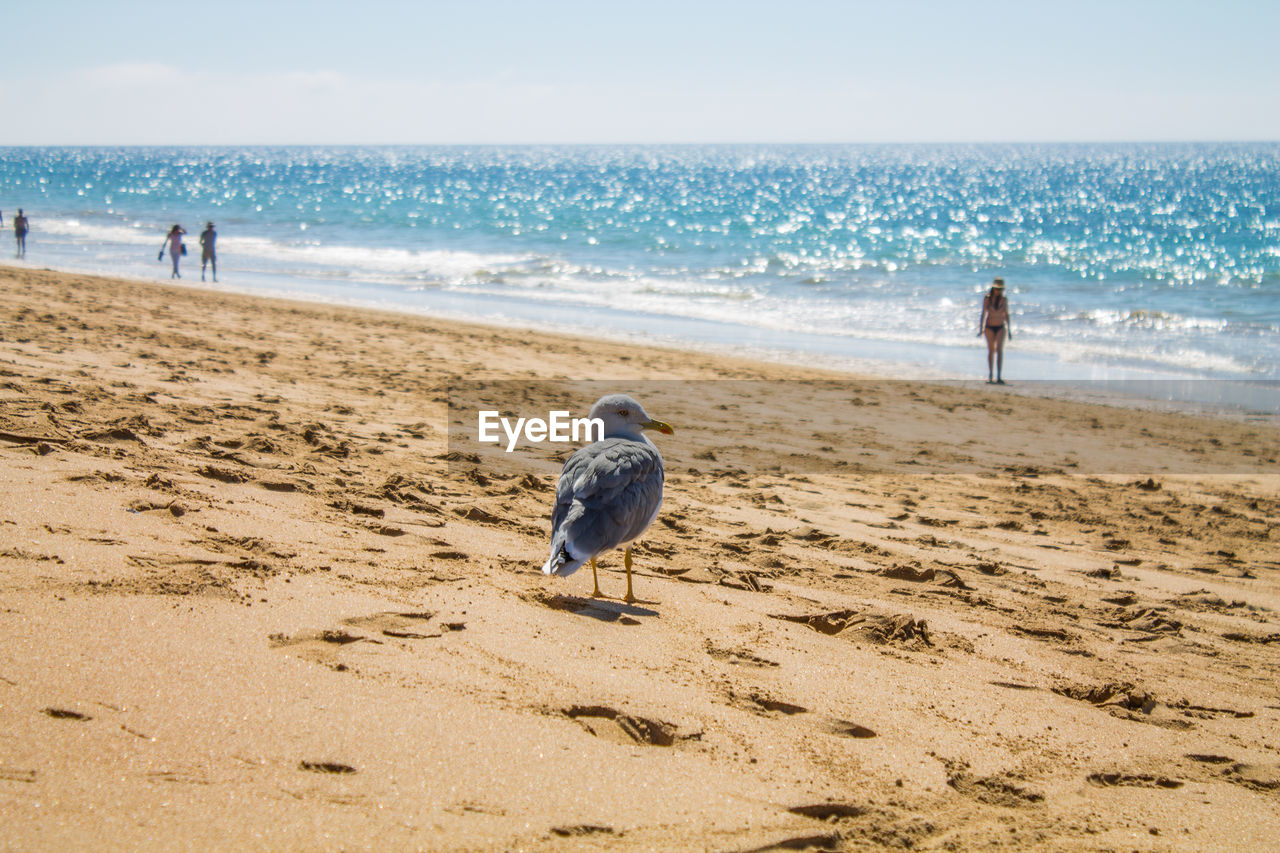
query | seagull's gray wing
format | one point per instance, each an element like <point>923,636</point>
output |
<point>608,493</point>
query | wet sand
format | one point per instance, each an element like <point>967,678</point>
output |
<point>255,595</point>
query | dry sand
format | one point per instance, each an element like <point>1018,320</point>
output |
<point>252,598</point>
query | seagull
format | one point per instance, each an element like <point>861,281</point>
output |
<point>609,491</point>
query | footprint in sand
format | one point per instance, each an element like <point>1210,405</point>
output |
<point>222,475</point>
<point>1132,780</point>
<point>828,841</point>
<point>1125,700</point>
<point>65,714</point>
<point>1259,777</point>
<point>1037,632</point>
<point>740,657</point>
<point>748,581</point>
<point>331,767</point>
<point>174,508</point>
<point>998,790</point>
<point>579,830</point>
<point>358,509</point>
<point>322,646</point>
<point>830,812</point>
<point>764,705</point>
<point>612,725</point>
<point>844,728</point>
<point>882,628</point>
<point>1012,685</point>
<point>407,625</point>
<point>177,776</point>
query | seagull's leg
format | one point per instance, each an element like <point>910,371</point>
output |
<point>626,561</point>
<point>596,593</point>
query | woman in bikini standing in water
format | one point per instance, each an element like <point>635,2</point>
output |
<point>173,240</point>
<point>994,323</point>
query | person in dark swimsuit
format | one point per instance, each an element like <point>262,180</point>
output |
<point>21,226</point>
<point>209,250</point>
<point>994,323</point>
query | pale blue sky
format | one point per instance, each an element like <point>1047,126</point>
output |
<point>376,71</point>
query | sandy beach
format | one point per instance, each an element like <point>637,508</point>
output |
<point>258,591</point>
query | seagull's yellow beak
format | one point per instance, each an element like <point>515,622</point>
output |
<point>660,426</point>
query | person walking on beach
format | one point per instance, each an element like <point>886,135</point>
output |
<point>994,323</point>
<point>176,250</point>
<point>20,228</point>
<point>208,250</point>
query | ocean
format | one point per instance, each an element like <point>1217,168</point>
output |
<point>1123,261</point>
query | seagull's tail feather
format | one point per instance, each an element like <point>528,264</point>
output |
<point>561,562</point>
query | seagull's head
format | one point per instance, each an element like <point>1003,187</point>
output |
<point>622,415</point>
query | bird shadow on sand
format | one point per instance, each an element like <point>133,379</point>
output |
<point>604,609</point>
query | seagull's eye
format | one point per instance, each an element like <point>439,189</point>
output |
<point>624,413</point>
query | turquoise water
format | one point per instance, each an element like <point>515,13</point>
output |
<point>1123,261</point>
